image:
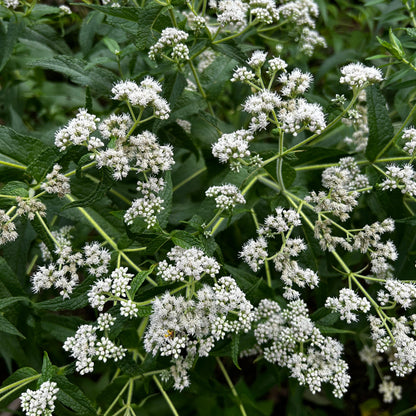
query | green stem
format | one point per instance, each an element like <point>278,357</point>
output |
<point>165,395</point>
<point>107,413</point>
<point>189,178</point>
<point>200,88</point>
<point>12,165</point>
<point>19,383</point>
<point>216,42</point>
<point>231,385</point>
<point>48,231</point>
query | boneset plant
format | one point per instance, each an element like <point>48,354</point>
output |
<point>208,217</point>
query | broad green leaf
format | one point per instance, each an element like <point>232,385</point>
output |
<point>14,188</point>
<point>9,279</point>
<point>4,303</point>
<point>80,72</point>
<point>43,163</point>
<point>231,50</point>
<point>8,39</point>
<point>101,189</point>
<point>184,239</point>
<point>73,397</point>
<point>379,124</point>
<point>19,375</point>
<point>78,299</point>
<point>7,327</point>
<point>17,148</point>
<point>46,35</point>
<point>89,28</point>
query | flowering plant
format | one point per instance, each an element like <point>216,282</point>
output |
<point>203,213</point>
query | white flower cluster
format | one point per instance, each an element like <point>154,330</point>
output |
<point>116,126</point>
<point>295,83</point>
<point>342,182</point>
<point>7,228</point>
<point>85,346</point>
<point>56,183</point>
<point>40,402</point>
<point>226,196</point>
<point>389,390</point>
<point>30,207</point>
<point>144,95</point>
<point>357,118</point>
<point>233,147</point>
<point>293,113</point>
<point>77,132</point>
<point>300,12</point>
<point>347,303</point>
<point>233,13</point>
<point>190,262</point>
<point>11,3</point>
<point>369,355</point>
<point>183,329</point>
<point>309,39</point>
<point>171,38</point>
<point>290,339</point>
<point>403,178</point>
<point>114,288</point>
<point>63,274</point>
<point>254,252</point>
<point>148,156</point>
<point>400,345</point>
<point>264,11</point>
<point>357,75</point>
<point>409,135</point>
<point>398,292</point>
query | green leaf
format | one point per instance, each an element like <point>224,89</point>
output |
<point>43,234</point>
<point>137,281</point>
<point>4,303</point>
<point>9,279</point>
<point>19,375</point>
<point>78,299</point>
<point>166,195</point>
<point>184,239</point>
<point>72,397</point>
<point>15,188</point>
<point>235,342</point>
<point>143,311</point>
<point>112,45</point>
<point>43,163</point>
<point>46,35</point>
<point>332,330</point>
<point>7,327</point>
<point>89,28</point>
<point>7,40</point>
<point>78,71</point>
<point>101,189</point>
<point>231,50</point>
<point>380,127</point>
<point>17,148</point>
<point>48,370</point>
